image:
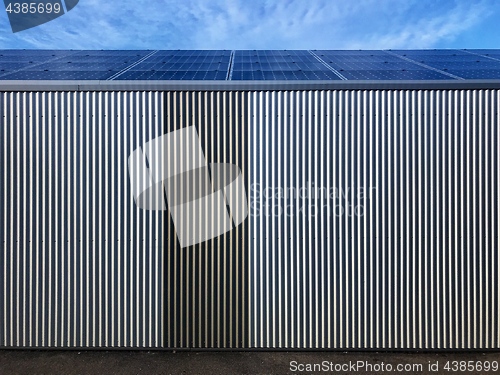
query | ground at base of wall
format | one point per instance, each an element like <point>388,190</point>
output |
<point>191,362</point>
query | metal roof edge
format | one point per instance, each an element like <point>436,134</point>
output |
<point>79,85</point>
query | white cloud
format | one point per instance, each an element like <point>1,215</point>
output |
<point>260,24</point>
<point>429,31</point>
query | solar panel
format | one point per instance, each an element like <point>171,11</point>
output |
<point>250,65</point>
<point>59,75</point>
<point>280,65</point>
<point>476,73</point>
<point>491,53</point>
<point>459,63</point>
<point>377,65</point>
<point>180,65</point>
<point>67,65</point>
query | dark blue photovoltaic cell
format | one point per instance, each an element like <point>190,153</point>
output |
<point>392,75</point>
<point>59,75</point>
<point>251,65</point>
<point>181,65</point>
<point>67,65</point>
<point>463,64</point>
<point>16,60</point>
<point>376,65</point>
<point>491,53</point>
<point>477,74</point>
<point>280,65</point>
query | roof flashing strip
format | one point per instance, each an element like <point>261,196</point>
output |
<point>84,85</point>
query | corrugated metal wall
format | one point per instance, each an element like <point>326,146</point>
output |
<point>81,265</point>
<point>411,261</point>
<point>206,288</point>
<point>418,265</point>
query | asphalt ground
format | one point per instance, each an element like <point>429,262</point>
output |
<point>250,362</point>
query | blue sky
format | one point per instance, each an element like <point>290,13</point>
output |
<point>265,24</point>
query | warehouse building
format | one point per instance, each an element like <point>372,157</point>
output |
<point>250,199</point>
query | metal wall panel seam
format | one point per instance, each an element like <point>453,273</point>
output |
<point>5,217</point>
<point>440,114</point>
<point>217,243</point>
<point>277,121</point>
<point>337,248</point>
<point>384,211</point>
<point>111,222</point>
<point>210,138</point>
<point>320,229</point>
<point>497,125</point>
<point>43,239</point>
<point>233,241</point>
<point>75,205</point>
<point>180,106</point>
<point>451,199</point>
<point>480,240</point>
<point>474,215</point>
<point>206,119</point>
<point>146,239</point>
<point>143,234</point>
<point>224,115</point>
<point>314,116</point>
<point>359,235</point>
<point>409,129</point>
<point>372,242</point>
<point>58,244</point>
<point>357,330</point>
<point>169,255</point>
<point>10,167</point>
<point>265,254</point>
<point>272,247</point>
<point>256,238</point>
<point>486,218</point>
<point>306,247</point>
<point>32,239</point>
<point>329,232</point>
<point>391,112</point>
<point>16,313</point>
<point>7,102</point>
<point>461,207</point>
<point>24,239</point>
<point>404,240</point>
<point>138,240</point>
<point>495,205</point>
<point>121,145</point>
<point>160,279</point>
<point>468,153</point>
<point>420,142</point>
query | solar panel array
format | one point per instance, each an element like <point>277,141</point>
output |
<point>249,65</point>
<point>65,65</point>
<point>279,65</point>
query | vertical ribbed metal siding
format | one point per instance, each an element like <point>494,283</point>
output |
<point>80,264</point>
<point>420,269</point>
<point>206,290</point>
